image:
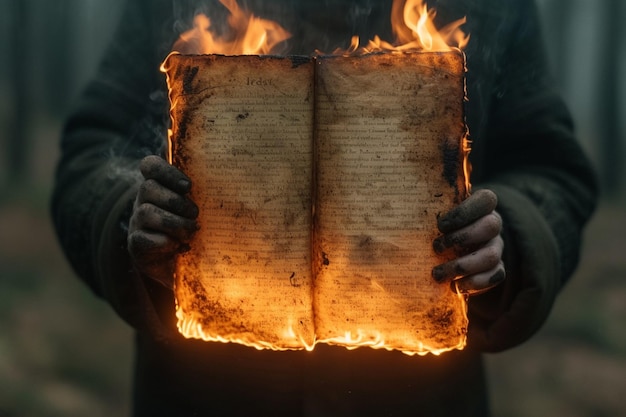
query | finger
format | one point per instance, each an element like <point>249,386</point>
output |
<point>484,259</point>
<point>149,217</point>
<point>157,168</point>
<point>481,231</point>
<point>142,245</point>
<point>477,205</point>
<point>152,255</point>
<point>154,193</point>
<point>482,282</point>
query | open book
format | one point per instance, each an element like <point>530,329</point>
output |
<point>319,181</point>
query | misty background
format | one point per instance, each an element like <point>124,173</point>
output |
<point>64,353</point>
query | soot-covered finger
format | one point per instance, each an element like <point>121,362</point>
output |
<point>482,282</point>
<point>154,193</point>
<point>158,169</point>
<point>477,205</point>
<point>468,237</point>
<point>152,218</point>
<point>142,244</point>
<point>152,255</point>
<point>484,259</point>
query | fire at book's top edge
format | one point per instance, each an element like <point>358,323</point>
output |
<point>296,60</point>
<point>299,59</point>
<point>453,60</point>
<point>451,52</point>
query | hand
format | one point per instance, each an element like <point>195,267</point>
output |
<point>163,220</point>
<point>472,231</point>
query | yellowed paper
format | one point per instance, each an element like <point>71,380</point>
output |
<point>319,182</point>
<point>389,132</point>
<point>244,137</point>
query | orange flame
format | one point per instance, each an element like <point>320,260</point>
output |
<point>414,29</point>
<point>248,35</point>
<point>190,328</point>
<point>411,21</point>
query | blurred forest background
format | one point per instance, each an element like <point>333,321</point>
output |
<point>64,353</point>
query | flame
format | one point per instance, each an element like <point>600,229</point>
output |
<point>173,104</point>
<point>466,145</point>
<point>193,329</point>
<point>414,30</point>
<point>411,20</point>
<point>247,35</point>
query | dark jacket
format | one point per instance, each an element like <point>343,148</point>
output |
<point>523,149</point>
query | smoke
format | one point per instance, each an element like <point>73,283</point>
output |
<point>358,16</point>
<point>148,136</point>
<point>185,11</point>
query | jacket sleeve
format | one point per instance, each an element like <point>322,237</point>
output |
<point>545,185</point>
<point>117,121</point>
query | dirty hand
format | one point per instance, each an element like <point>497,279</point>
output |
<point>472,231</point>
<point>163,219</point>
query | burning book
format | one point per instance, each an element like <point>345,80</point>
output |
<point>319,181</point>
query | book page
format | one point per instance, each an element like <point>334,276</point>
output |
<point>389,159</point>
<point>242,131</point>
